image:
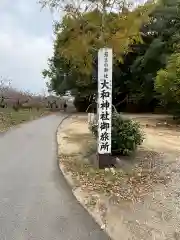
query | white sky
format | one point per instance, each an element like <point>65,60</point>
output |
<point>25,43</point>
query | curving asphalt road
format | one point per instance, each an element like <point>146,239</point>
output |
<point>35,201</point>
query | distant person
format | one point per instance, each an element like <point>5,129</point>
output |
<point>65,106</point>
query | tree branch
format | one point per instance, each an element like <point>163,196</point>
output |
<point>122,101</point>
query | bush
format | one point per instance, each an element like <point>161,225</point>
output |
<point>167,84</point>
<point>126,134</point>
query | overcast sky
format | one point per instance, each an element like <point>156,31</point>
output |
<point>25,43</point>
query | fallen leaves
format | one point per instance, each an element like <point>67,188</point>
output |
<point>129,186</point>
<point>132,184</point>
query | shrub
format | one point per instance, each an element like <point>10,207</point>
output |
<point>167,84</point>
<point>126,134</point>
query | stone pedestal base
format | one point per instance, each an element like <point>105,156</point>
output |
<point>105,161</point>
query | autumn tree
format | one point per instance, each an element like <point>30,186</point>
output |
<point>141,50</point>
<point>81,33</point>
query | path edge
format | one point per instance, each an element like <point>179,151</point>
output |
<point>96,215</point>
<point>14,127</point>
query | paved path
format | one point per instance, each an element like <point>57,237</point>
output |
<point>35,201</point>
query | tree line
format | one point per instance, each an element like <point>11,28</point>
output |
<point>146,61</point>
<point>15,99</point>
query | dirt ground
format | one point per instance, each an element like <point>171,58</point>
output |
<point>157,214</point>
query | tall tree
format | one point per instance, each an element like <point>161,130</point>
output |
<point>161,35</point>
<point>167,80</point>
<point>80,35</point>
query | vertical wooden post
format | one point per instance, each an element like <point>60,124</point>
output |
<point>104,107</point>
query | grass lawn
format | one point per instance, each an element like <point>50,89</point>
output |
<point>9,117</point>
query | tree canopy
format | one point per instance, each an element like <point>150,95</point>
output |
<point>145,42</point>
<point>79,37</point>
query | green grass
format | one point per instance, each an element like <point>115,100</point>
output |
<point>9,117</point>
